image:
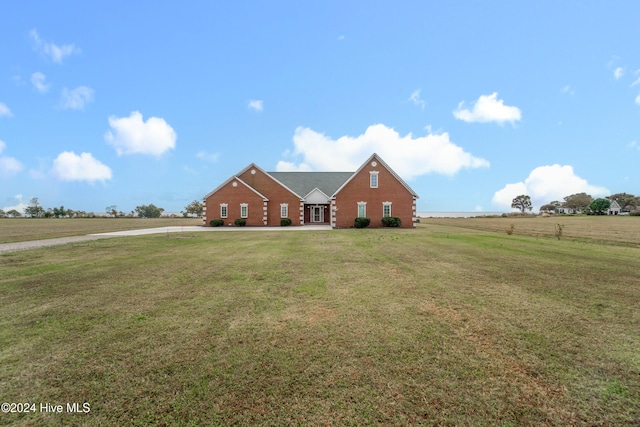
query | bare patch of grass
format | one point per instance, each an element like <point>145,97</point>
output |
<point>439,325</point>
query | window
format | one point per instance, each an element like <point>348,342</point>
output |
<point>223,210</point>
<point>284,210</point>
<point>373,179</point>
<point>386,209</point>
<point>244,210</point>
<point>362,209</point>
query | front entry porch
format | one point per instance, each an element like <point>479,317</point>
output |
<point>316,214</point>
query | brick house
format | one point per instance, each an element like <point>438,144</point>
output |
<point>332,198</point>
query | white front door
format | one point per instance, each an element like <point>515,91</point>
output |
<point>317,214</point>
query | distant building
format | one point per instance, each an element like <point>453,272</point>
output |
<point>614,209</point>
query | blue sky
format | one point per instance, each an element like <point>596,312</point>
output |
<point>472,103</point>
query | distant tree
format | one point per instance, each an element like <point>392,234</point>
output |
<point>522,202</point>
<point>34,210</point>
<point>59,212</point>
<point>14,213</point>
<point>112,210</point>
<point>3,214</point>
<point>149,211</point>
<point>600,206</point>
<point>193,208</point>
<point>48,213</point>
<point>578,202</point>
<point>70,213</point>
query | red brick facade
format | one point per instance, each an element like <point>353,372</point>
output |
<point>263,197</point>
<point>389,190</point>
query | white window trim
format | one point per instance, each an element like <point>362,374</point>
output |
<point>384,205</point>
<point>371,179</point>
<point>284,210</point>
<point>224,206</point>
<point>362,205</point>
<point>245,207</point>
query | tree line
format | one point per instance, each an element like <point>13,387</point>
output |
<point>36,210</point>
<point>581,203</point>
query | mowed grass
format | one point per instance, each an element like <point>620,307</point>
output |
<point>440,325</point>
<point>24,229</point>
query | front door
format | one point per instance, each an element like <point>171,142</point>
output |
<point>317,214</point>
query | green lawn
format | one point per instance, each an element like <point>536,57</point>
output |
<point>439,325</point>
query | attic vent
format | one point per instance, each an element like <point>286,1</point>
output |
<point>235,184</point>
<point>253,171</point>
<point>374,163</point>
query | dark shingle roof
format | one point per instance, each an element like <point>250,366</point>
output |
<point>302,183</point>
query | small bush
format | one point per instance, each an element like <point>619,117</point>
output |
<point>240,222</point>
<point>510,229</point>
<point>284,222</point>
<point>216,222</point>
<point>634,213</point>
<point>391,221</point>
<point>558,232</point>
<point>361,222</point>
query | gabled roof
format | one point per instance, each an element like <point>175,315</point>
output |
<point>303,183</point>
<point>235,177</point>
<point>614,205</point>
<point>379,160</point>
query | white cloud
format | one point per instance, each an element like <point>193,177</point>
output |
<point>546,184</point>
<point>417,101</point>
<point>69,166</point>
<point>637,80</point>
<point>634,145</point>
<point>5,111</point>
<point>409,156</point>
<point>567,89</point>
<point>618,72</point>
<point>638,99</point>
<point>256,105</point>
<point>37,80</point>
<point>132,135</point>
<point>341,37</point>
<point>20,205</point>
<point>208,157</point>
<point>488,108</point>
<point>9,166</point>
<point>77,98</point>
<point>55,52</point>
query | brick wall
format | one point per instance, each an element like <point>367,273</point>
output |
<point>389,190</point>
<point>233,196</point>
<point>276,193</point>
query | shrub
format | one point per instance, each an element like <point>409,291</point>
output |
<point>391,221</point>
<point>558,232</point>
<point>284,222</point>
<point>361,222</point>
<point>510,229</point>
<point>216,222</point>
<point>240,222</point>
<point>634,213</point>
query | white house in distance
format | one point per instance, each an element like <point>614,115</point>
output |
<point>614,209</point>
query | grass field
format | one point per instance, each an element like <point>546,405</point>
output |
<point>442,325</point>
<point>607,229</point>
<point>23,229</point>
